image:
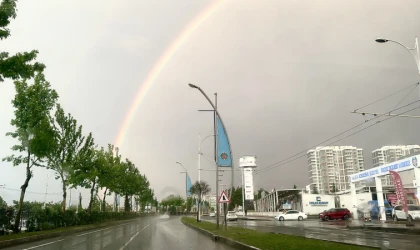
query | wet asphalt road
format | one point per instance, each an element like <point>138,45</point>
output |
<point>333,231</point>
<point>160,232</point>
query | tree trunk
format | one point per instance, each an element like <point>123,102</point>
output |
<point>103,200</point>
<point>198,209</point>
<point>22,193</point>
<point>63,181</point>
<point>126,204</point>
<point>91,196</point>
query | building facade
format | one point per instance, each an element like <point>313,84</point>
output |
<point>388,154</point>
<point>329,168</point>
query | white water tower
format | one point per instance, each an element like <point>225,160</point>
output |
<point>247,163</point>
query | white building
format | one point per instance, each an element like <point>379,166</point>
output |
<point>388,154</point>
<point>329,167</point>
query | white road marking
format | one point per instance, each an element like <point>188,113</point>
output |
<point>49,243</point>
<point>132,238</point>
<point>102,229</point>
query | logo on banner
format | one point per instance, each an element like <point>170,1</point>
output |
<point>224,156</point>
<point>414,161</point>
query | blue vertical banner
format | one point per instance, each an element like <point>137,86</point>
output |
<point>224,154</point>
<point>188,185</point>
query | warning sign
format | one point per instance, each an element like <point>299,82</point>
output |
<point>223,198</point>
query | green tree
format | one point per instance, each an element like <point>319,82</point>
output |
<point>200,188</point>
<point>108,171</point>
<point>3,203</point>
<point>18,66</point>
<point>32,104</point>
<point>315,190</point>
<point>68,142</point>
<point>333,188</point>
<point>236,198</point>
<point>294,186</point>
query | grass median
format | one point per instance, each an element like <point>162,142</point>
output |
<point>270,240</point>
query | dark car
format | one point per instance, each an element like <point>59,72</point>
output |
<point>335,213</point>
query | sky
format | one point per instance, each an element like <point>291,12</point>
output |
<point>287,74</point>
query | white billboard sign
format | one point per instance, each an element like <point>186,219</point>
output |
<point>401,165</point>
<point>248,184</point>
<point>248,161</point>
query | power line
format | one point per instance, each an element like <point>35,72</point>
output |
<point>30,192</point>
<point>416,84</point>
<point>329,139</point>
<point>358,131</point>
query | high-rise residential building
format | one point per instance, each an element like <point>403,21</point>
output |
<point>388,154</point>
<point>329,168</point>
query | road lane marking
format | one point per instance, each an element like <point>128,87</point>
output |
<point>132,238</point>
<point>102,229</point>
<point>49,243</point>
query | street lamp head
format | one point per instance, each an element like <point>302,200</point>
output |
<point>192,86</point>
<point>178,162</point>
<point>381,40</point>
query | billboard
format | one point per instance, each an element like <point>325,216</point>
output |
<point>248,161</point>
<point>397,166</point>
<point>248,184</point>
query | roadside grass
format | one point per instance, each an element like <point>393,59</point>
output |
<point>73,229</point>
<point>270,240</point>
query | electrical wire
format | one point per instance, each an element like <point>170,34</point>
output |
<point>358,131</point>
<point>329,139</point>
<point>30,192</point>
<point>399,91</point>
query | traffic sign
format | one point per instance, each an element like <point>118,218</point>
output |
<point>223,198</point>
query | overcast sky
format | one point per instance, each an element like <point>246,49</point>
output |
<point>287,74</point>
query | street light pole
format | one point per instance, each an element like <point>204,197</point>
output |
<point>199,154</point>
<point>416,54</point>
<point>216,114</point>
<point>413,51</point>
<point>186,181</point>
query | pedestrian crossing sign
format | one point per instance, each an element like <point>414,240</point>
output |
<point>223,198</point>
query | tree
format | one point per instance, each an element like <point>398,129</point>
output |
<point>315,190</point>
<point>68,143</point>
<point>294,186</point>
<point>86,167</point>
<point>333,188</point>
<point>236,198</point>
<point>19,65</point>
<point>200,188</point>
<point>32,104</point>
<point>3,203</point>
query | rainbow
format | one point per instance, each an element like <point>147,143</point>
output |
<point>160,64</point>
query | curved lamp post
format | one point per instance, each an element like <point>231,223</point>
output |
<point>215,133</point>
<point>413,51</point>
<point>186,181</point>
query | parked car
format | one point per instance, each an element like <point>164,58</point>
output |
<point>335,213</point>
<point>231,215</point>
<point>399,214</point>
<point>291,215</point>
<point>212,214</point>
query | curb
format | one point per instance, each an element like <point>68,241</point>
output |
<point>227,241</point>
<point>415,231</point>
<point>29,239</point>
<point>254,219</point>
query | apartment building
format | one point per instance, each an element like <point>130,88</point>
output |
<point>329,168</point>
<point>388,154</point>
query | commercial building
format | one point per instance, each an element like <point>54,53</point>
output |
<point>388,154</point>
<point>329,168</point>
